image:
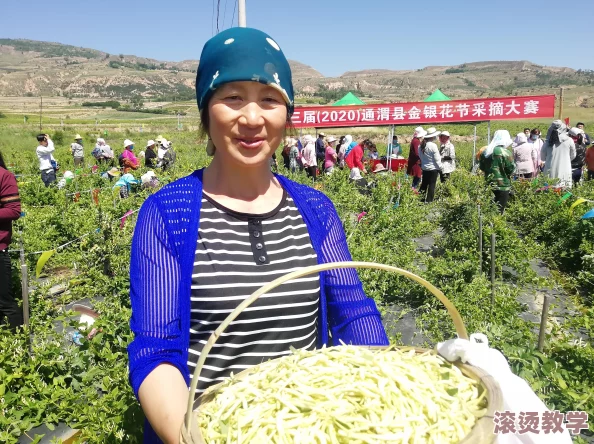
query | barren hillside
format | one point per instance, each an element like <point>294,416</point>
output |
<point>32,68</point>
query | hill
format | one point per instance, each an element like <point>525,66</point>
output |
<point>33,68</point>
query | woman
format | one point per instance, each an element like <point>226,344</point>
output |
<point>285,153</point>
<point>127,158</point>
<point>394,148</point>
<point>557,154</point>
<point>448,156</point>
<point>126,184</point>
<point>373,154</point>
<point>342,149</point>
<point>165,154</point>
<point>524,157</point>
<point>331,155</point>
<point>10,209</point>
<point>103,152</point>
<point>577,164</point>
<point>294,156</point>
<point>150,156</point>
<point>205,242</point>
<point>537,143</point>
<point>359,181</point>
<point>308,157</point>
<point>497,162</point>
<point>430,164</point>
<point>354,155</point>
<point>414,162</point>
<point>590,161</point>
<point>77,151</point>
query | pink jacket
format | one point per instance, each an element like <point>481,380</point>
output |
<point>127,154</point>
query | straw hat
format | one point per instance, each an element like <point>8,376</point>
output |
<point>128,142</point>
<point>445,133</point>
<point>432,132</point>
<point>321,134</point>
<point>331,139</point>
<point>379,168</point>
<point>114,172</point>
<point>77,137</point>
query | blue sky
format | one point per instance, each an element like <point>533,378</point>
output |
<point>333,36</point>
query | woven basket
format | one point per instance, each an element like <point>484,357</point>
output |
<point>481,433</point>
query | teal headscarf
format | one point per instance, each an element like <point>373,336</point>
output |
<point>127,180</point>
<point>243,54</point>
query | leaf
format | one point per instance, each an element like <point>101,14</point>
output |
<point>42,261</point>
<point>50,426</point>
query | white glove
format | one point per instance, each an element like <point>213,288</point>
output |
<point>517,394</point>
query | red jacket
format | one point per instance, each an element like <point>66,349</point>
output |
<point>590,158</point>
<point>10,206</point>
<point>414,161</point>
<point>355,158</point>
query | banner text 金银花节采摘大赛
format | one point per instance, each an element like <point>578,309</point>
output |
<point>471,110</point>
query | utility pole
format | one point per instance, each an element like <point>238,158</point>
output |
<point>241,13</point>
<point>561,104</point>
<point>40,112</point>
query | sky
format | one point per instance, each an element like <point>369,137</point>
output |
<point>332,36</point>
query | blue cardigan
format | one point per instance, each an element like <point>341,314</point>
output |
<point>162,260</point>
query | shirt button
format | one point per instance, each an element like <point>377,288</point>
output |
<point>262,258</point>
<point>256,234</point>
<point>259,246</point>
<point>257,222</point>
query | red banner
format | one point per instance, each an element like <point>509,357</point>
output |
<point>471,110</point>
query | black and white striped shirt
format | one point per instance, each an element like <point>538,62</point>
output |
<point>238,253</point>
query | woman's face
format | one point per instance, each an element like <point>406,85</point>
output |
<point>247,122</point>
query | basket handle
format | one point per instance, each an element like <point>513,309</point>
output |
<point>458,323</point>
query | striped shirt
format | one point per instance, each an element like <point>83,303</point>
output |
<point>236,254</point>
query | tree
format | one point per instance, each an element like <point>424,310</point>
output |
<point>137,102</point>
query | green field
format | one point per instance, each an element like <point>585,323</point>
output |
<point>86,386</point>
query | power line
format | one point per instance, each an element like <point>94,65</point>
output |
<point>225,13</point>
<point>218,13</point>
<point>233,18</point>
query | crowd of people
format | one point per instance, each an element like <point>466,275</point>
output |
<point>562,156</point>
<point>432,156</point>
<point>325,153</point>
<point>158,153</point>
